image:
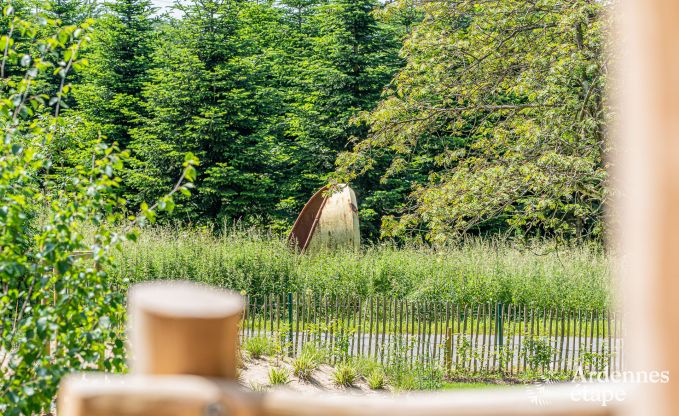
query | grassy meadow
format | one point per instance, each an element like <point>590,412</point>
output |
<point>471,272</point>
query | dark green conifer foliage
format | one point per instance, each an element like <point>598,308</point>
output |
<point>109,95</point>
<point>71,12</point>
<point>208,94</point>
<point>342,61</point>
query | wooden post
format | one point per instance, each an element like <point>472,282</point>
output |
<point>113,395</point>
<point>447,361</point>
<point>184,328</point>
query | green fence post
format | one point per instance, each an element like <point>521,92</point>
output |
<point>499,326</point>
<point>290,323</point>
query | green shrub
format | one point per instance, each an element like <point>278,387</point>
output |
<point>314,352</point>
<point>257,347</point>
<point>376,380</point>
<point>58,312</point>
<point>421,376</point>
<point>344,375</point>
<point>304,365</point>
<point>538,351</point>
<point>403,381</point>
<point>278,376</point>
<point>365,366</point>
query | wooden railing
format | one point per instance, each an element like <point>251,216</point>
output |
<point>183,349</point>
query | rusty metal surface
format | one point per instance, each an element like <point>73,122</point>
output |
<point>328,220</point>
<point>307,221</point>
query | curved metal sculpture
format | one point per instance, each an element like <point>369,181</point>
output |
<point>329,220</point>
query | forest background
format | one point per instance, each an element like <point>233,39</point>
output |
<point>449,118</point>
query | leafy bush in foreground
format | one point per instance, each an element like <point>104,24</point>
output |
<point>58,311</point>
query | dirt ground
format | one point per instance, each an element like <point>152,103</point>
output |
<point>254,374</point>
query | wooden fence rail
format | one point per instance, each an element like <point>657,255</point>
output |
<point>472,338</point>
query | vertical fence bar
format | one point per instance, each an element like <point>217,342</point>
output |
<point>580,344</point>
<point>393,334</point>
<point>380,299</point>
<point>290,339</point>
<point>244,319</point>
<point>355,313</point>
<point>307,300</point>
<point>561,318</point>
<point>385,318</point>
<point>622,340</point>
<point>407,337</point>
<point>522,329</point>
<point>297,347</point>
<point>476,336</point>
<point>262,317</point>
<point>569,314</point>
<point>271,320</point>
<point>359,344</point>
<point>253,317</point>
<point>601,339</point>
<point>616,344</point>
<point>411,348</point>
<point>278,315</point>
<point>447,322</point>
<point>418,340</point>
<point>463,338</point>
<point>428,329</point>
<point>511,330</point>
<point>484,340</point>
<point>337,324</point>
<point>527,356</point>
<point>610,346</point>
<point>400,325</point>
<point>434,355</point>
<point>447,361</point>
<point>591,340</point>
<point>497,359</point>
<point>370,332</point>
<point>391,327</point>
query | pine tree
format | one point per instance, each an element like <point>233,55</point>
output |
<point>357,57</point>
<point>71,12</point>
<point>208,95</point>
<point>109,96</point>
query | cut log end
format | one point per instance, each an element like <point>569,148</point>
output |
<point>184,328</point>
<point>185,300</point>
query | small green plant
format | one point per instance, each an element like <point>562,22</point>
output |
<point>314,352</point>
<point>403,381</point>
<point>344,375</point>
<point>365,366</point>
<point>594,362</point>
<point>304,366</point>
<point>376,380</point>
<point>257,347</point>
<point>278,376</point>
<point>280,344</point>
<point>258,387</point>
<point>538,352</point>
<point>464,351</point>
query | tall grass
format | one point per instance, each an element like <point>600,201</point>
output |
<point>473,272</point>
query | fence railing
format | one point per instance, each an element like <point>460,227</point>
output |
<point>473,338</point>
